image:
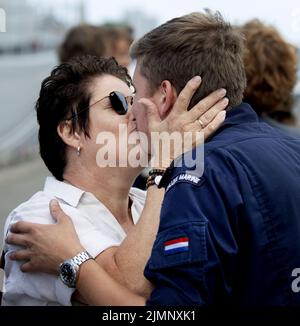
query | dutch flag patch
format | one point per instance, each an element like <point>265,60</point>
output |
<point>176,245</point>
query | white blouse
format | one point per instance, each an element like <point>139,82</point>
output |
<point>95,225</point>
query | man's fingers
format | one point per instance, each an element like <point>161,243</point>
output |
<point>27,267</point>
<point>22,227</point>
<point>16,239</point>
<point>57,213</point>
<point>185,96</point>
<point>21,255</point>
<point>214,125</point>
<point>205,104</point>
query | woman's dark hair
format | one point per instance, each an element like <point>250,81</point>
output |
<point>65,92</point>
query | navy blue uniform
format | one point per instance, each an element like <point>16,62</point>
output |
<point>232,236</point>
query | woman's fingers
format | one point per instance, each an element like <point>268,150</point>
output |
<point>205,119</point>
<point>211,114</point>
<point>211,102</point>
<point>214,124</point>
<point>198,135</point>
<point>185,96</point>
<point>151,111</point>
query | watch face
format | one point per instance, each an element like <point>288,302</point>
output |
<point>68,274</point>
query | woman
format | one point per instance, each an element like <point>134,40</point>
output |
<point>78,102</point>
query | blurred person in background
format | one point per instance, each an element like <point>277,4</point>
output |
<point>118,39</point>
<point>83,40</point>
<point>110,40</point>
<point>115,222</point>
<point>271,70</point>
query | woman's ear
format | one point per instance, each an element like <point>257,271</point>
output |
<point>68,136</point>
<point>168,97</point>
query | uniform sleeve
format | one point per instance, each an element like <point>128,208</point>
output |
<point>194,258</point>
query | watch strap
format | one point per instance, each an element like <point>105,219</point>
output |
<point>81,258</point>
<point>69,269</point>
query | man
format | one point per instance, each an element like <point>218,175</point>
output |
<point>229,235</point>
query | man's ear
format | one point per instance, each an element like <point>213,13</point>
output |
<point>68,136</point>
<point>167,98</point>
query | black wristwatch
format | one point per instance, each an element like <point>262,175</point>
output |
<point>69,269</point>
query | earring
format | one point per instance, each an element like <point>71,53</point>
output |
<point>78,150</point>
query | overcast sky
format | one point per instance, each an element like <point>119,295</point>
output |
<point>284,14</point>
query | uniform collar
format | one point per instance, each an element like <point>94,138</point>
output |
<point>58,189</point>
<point>237,115</point>
<point>242,113</point>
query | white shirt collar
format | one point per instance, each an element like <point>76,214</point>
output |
<point>73,196</point>
<point>68,193</point>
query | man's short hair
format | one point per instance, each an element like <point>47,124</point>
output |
<point>64,93</point>
<point>195,44</point>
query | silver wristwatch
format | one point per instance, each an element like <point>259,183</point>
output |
<point>69,269</point>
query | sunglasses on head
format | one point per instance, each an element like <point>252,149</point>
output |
<point>118,101</point>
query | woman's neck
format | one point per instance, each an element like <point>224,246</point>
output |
<point>111,187</point>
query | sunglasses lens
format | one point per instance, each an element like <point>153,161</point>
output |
<point>118,102</point>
